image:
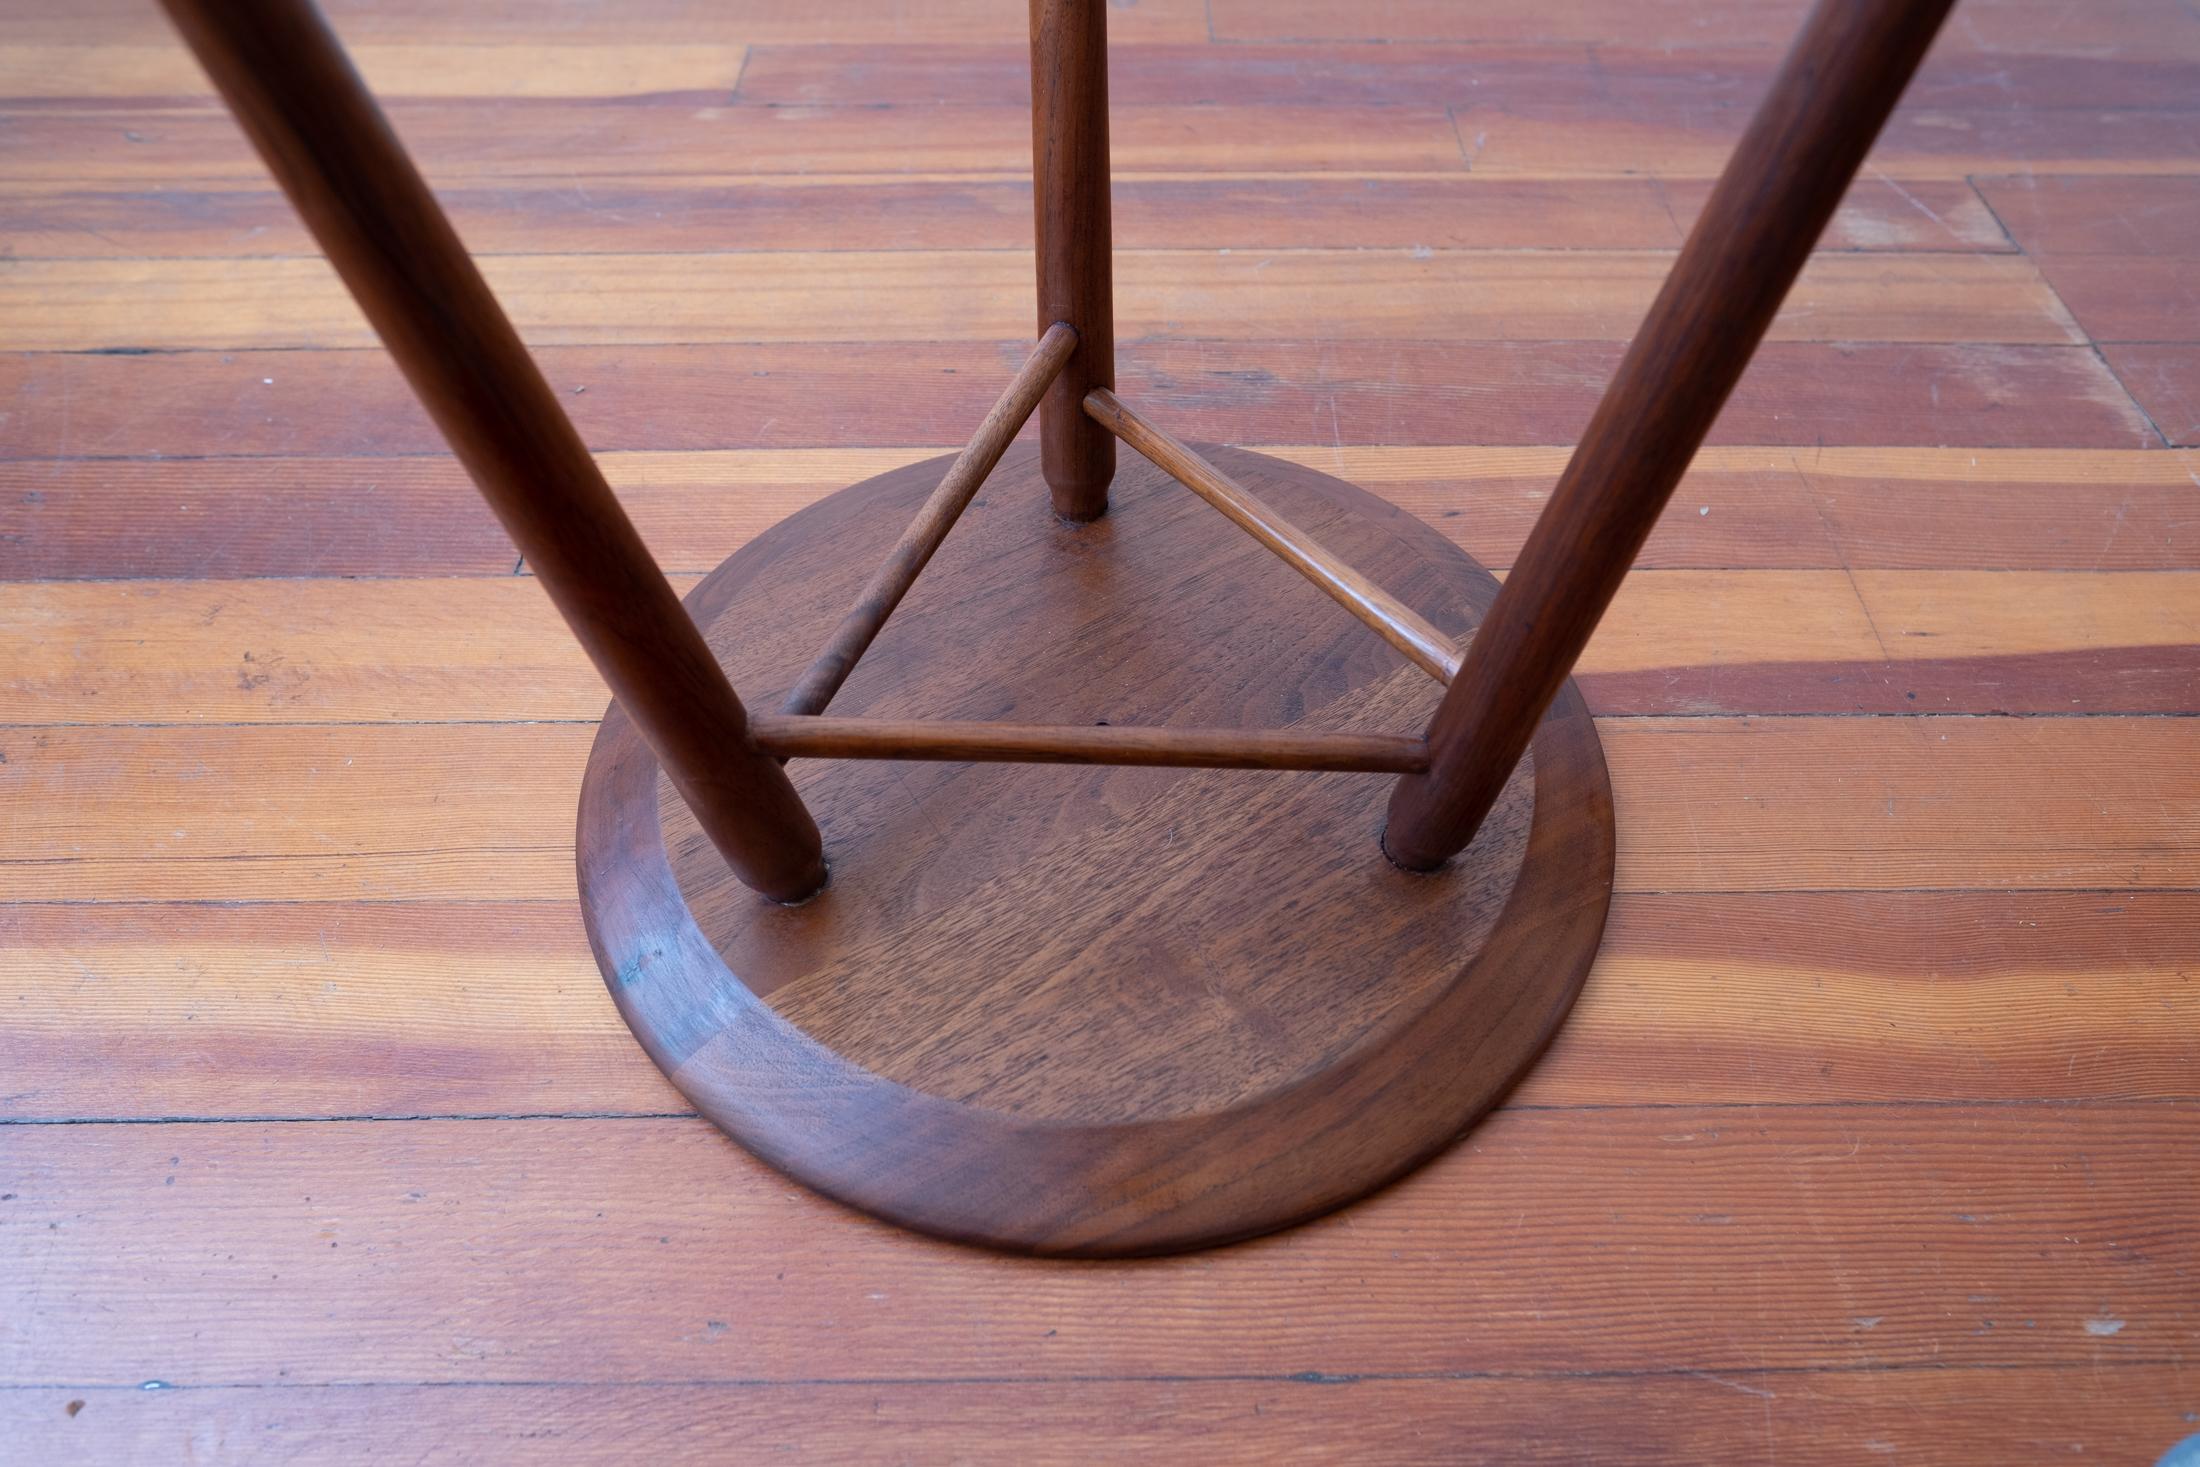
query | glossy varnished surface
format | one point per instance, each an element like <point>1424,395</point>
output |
<point>1873,1127</point>
<point>1091,1010</point>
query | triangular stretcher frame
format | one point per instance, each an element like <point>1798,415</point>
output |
<point>802,729</point>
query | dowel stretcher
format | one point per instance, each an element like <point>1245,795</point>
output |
<point>914,550</point>
<point>1400,625</point>
<point>954,741</point>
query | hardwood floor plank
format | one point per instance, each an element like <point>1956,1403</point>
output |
<point>1239,210</point>
<point>196,404</point>
<point>1859,508</point>
<point>313,1009</point>
<point>2143,678</point>
<point>2139,298</point>
<point>1237,75</point>
<point>1608,67</point>
<point>657,22</point>
<point>917,295</point>
<point>2043,27</point>
<point>1879,213</point>
<point>2115,215</point>
<point>1243,211</point>
<point>508,141</point>
<point>1940,642</point>
<point>1740,507</point>
<point>604,1250</point>
<point>1909,509</point>
<point>478,812</point>
<point>488,648</point>
<point>1932,1417</point>
<point>1725,23</point>
<point>228,518</point>
<point>1905,802</point>
<point>2014,28</point>
<point>491,648</point>
<point>465,812</point>
<point>695,139</point>
<point>513,68</point>
<point>155,1010</point>
<point>220,518</point>
<point>1559,141</point>
<point>1896,642</point>
<point>2165,382</point>
<point>1765,998</point>
<point>1959,76</point>
<point>1993,27</point>
<point>1928,616</point>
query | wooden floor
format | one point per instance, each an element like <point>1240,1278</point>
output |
<point>1877,1133</point>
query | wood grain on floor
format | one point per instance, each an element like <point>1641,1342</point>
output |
<point>1877,1131</point>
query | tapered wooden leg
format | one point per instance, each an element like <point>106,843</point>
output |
<point>293,89</point>
<point>1832,95</point>
<point>1069,158</point>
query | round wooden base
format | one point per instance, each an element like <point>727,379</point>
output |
<point>1074,1010</point>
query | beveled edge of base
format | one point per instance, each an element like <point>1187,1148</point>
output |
<point>1055,1188</point>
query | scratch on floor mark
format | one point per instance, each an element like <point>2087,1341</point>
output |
<point>1735,1385</point>
<point>1912,199</point>
<point>2115,528</point>
<point>2104,1327</point>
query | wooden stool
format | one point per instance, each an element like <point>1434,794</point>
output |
<point>1155,1004</point>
